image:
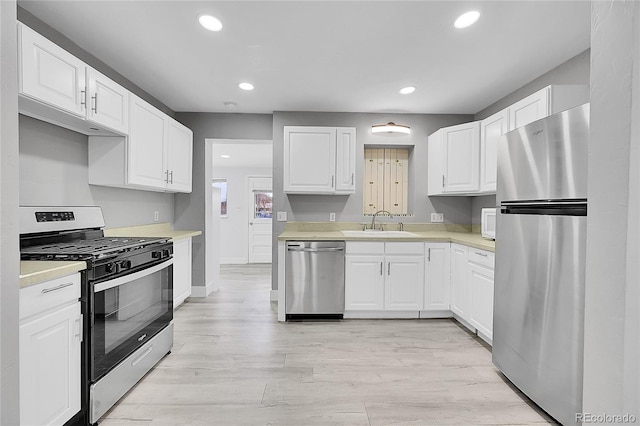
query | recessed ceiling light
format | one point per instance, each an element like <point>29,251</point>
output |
<point>245,86</point>
<point>210,23</point>
<point>225,156</point>
<point>407,90</point>
<point>467,19</point>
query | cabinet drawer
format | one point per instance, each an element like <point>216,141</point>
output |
<point>404,248</point>
<point>49,294</point>
<point>481,257</point>
<point>365,247</point>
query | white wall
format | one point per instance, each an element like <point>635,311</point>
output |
<point>9,249</point>
<point>234,233</point>
<point>612,304</point>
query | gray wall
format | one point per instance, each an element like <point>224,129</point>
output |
<point>9,251</point>
<point>71,47</point>
<point>54,171</point>
<point>316,208</point>
<point>573,71</point>
<point>612,302</point>
<point>189,210</point>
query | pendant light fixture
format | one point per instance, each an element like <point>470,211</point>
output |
<point>391,127</point>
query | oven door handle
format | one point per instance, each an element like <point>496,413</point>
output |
<point>106,285</point>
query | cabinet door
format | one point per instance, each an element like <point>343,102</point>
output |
<point>108,102</point>
<point>181,270</point>
<point>481,284</point>
<point>435,169</point>
<point>146,146</point>
<point>345,160</point>
<point>529,109</point>
<point>179,156</point>
<point>50,74</point>
<point>50,367</point>
<point>309,160</point>
<point>404,287</point>
<point>461,147</point>
<point>491,130</point>
<point>364,283</point>
<point>459,280</point>
<point>437,277</point>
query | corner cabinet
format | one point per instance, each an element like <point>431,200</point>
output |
<point>319,160</point>
<point>453,160</point>
<point>157,155</point>
<point>50,344</point>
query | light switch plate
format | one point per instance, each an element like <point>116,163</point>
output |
<point>282,216</point>
<point>437,217</point>
<point>332,217</point>
<point>156,216</point>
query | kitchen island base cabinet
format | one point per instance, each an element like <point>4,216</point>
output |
<point>182,255</point>
<point>50,339</point>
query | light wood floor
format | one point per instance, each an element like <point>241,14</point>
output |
<point>233,364</point>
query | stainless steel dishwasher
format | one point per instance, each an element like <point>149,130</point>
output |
<point>314,279</point>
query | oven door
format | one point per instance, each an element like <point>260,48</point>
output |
<point>126,311</point>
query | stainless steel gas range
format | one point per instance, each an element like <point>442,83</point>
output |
<point>127,297</point>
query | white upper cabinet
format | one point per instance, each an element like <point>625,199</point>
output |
<point>157,155</point>
<point>491,130</point>
<point>146,147</point>
<point>59,88</point>
<point>453,162</point>
<point>529,109</point>
<point>345,160</point>
<point>107,102</point>
<point>319,160</point>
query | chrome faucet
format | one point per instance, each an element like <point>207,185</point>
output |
<point>373,220</point>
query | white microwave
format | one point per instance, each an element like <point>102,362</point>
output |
<point>488,222</point>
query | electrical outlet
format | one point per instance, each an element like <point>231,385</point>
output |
<point>437,217</point>
<point>156,216</point>
<point>282,216</point>
<point>332,217</point>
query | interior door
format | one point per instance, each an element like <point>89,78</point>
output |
<point>260,217</point>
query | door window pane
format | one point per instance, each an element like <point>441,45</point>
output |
<point>263,204</point>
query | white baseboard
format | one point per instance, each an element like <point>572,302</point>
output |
<point>234,260</point>
<point>436,314</point>
<point>381,314</point>
<point>273,296</point>
<point>202,291</point>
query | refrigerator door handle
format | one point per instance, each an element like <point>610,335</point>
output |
<point>574,208</point>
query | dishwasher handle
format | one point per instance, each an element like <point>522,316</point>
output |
<point>315,250</point>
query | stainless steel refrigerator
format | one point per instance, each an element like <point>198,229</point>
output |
<point>538,335</point>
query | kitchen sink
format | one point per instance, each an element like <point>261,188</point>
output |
<point>378,234</point>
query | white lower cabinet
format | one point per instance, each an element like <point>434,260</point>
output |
<point>480,276</point>
<point>437,277</point>
<point>181,270</point>
<point>384,276</point>
<point>50,340</point>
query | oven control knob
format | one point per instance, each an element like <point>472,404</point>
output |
<point>156,255</point>
<point>166,253</point>
<point>125,264</point>
<point>109,268</point>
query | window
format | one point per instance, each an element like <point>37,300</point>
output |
<point>386,180</point>
<point>222,184</point>
<point>263,205</point>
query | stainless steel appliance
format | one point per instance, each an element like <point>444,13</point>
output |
<point>314,278</point>
<point>127,297</point>
<point>540,260</point>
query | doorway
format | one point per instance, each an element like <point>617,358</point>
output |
<point>260,218</point>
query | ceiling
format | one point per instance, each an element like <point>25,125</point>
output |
<point>344,56</point>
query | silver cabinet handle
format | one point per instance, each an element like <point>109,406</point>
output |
<point>80,328</point>
<point>332,180</point>
<point>171,176</point>
<point>381,268</point>
<point>481,254</point>
<point>352,178</point>
<point>443,181</point>
<point>61,286</point>
<point>429,255</point>
<point>83,98</point>
<point>166,176</point>
<point>95,103</point>
<point>389,268</point>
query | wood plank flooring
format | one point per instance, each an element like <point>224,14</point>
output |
<point>233,364</point>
